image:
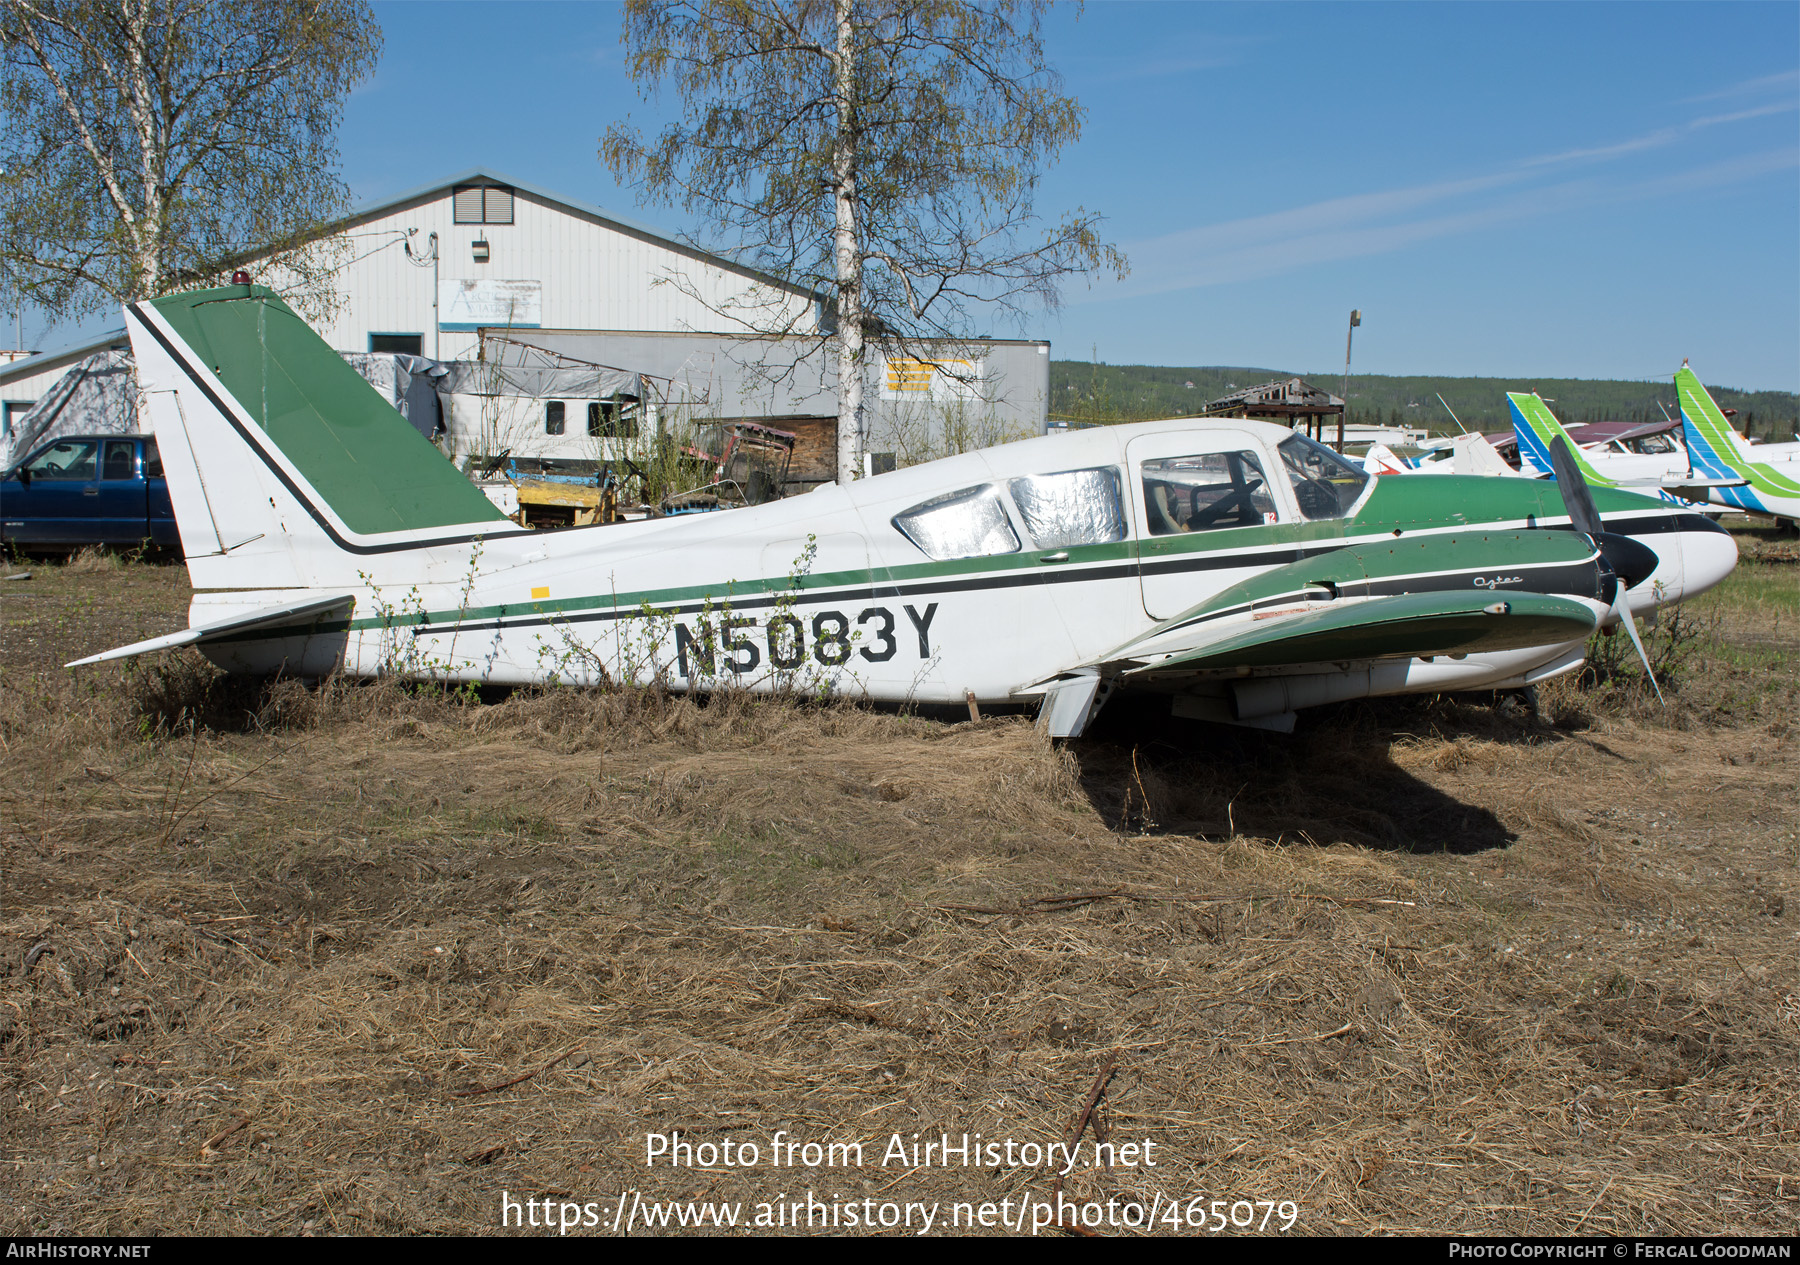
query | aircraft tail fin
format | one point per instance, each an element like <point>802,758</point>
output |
<point>1713,447</point>
<point>1473,454</point>
<point>285,468</point>
<point>1716,453</point>
<point>1537,428</point>
<point>1380,459</point>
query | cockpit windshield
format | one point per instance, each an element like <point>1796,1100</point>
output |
<point>1651,445</point>
<point>1325,484</point>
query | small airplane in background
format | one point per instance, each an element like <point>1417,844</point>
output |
<point>1468,454</point>
<point>1239,569</point>
<point>1748,482</point>
<point>1666,474</point>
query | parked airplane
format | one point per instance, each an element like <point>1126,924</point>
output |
<point>1665,473</point>
<point>1241,569</point>
<point>1763,487</point>
<point>1469,453</point>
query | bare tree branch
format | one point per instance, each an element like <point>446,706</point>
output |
<point>883,151</point>
<point>154,143</point>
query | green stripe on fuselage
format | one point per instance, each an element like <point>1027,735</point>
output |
<point>1410,504</point>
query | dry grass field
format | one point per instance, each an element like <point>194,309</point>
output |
<point>362,960</point>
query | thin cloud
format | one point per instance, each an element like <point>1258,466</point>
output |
<point>1768,83</point>
<point>1199,52</point>
<point>1338,229</point>
<point>1661,136</point>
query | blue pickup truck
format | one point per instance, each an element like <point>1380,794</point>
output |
<point>87,490</point>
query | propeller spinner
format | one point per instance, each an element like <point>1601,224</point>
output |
<point>1630,561</point>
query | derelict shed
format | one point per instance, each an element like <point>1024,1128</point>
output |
<point>1286,401</point>
<point>920,401</point>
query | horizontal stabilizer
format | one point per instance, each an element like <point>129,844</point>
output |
<point>301,617</point>
<point>1403,626</point>
<point>1675,482</point>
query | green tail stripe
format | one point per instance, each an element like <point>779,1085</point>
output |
<point>1697,405</point>
<point>371,467</point>
<point>1532,407</point>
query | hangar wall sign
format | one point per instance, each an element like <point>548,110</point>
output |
<point>483,303</point>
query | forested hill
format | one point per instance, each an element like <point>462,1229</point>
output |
<point>1100,392</point>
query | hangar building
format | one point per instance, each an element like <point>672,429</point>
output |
<point>483,260</point>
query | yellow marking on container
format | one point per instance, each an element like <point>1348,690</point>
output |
<point>543,590</point>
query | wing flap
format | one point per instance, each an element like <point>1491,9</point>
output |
<point>304,616</point>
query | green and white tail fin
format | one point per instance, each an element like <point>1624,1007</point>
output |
<point>285,468</point>
<point>1537,429</point>
<point>1716,452</point>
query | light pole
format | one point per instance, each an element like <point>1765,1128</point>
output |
<point>1355,320</point>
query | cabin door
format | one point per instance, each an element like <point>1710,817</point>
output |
<point>1208,504</point>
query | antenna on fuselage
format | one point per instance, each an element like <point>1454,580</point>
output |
<point>1453,416</point>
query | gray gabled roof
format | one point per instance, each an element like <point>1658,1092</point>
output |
<point>86,346</point>
<point>67,354</point>
<point>586,210</point>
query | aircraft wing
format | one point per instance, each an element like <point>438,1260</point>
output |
<point>304,615</point>
<point>1405,625</point>
<point>1482,592</point>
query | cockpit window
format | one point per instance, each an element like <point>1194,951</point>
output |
<point>1208,491</point>
<point>1075,507</point>
<point>967,524</point>
<point>1325,485</point>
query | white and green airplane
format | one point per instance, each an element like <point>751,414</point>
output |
<point>1669,475</point>
<point>1236,567</point>
<point>1763,487</point>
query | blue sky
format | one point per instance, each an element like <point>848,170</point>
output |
<point>1530,190</point>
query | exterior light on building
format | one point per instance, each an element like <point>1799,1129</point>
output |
<point>480,246</point>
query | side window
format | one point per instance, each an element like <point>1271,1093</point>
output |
<point>967,524</point>
<point>553,417</point>
<point>1075,507</point>
<point>71,459</point>
<point>121,459</point>
<point>610,420</point>
<point>1212,490</point>
<point>1325,485</point>
<point>152,460</point>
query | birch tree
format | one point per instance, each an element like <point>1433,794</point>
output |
<point>884,153</point>
<point>149,145</point>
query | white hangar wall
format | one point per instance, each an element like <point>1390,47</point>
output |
<point>520,261</point>
<point>549,263</point>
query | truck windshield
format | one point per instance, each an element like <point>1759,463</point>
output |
<point>71,459</point>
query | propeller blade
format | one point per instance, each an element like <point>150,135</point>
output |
<point>1622,609</point>
<point>1574,489</point>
